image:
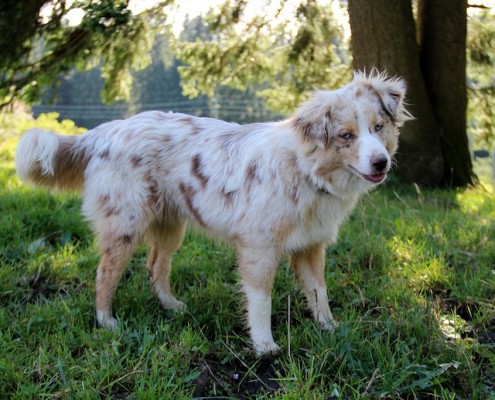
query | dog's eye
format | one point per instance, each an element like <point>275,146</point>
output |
<point>378,127</point>
<point>346,136</point>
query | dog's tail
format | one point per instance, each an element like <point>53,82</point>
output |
<point>50,160</point>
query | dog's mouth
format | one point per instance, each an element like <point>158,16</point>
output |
<point>374,178</point>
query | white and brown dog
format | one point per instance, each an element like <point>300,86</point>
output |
<point>270,189</point>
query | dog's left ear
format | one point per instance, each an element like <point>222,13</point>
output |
<point>390,91</point>
<point>313,120</point>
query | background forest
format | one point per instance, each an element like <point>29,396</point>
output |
<point>78,95</point>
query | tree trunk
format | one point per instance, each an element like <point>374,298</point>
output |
<point>384,36</point>
<point>442,33</point>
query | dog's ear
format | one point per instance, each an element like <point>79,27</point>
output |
<point>313,120</point>
<point>391,95</point>
<point>390,91</point>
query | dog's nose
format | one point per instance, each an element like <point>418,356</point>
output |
<point>379,163</point>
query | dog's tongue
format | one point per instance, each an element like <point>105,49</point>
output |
<point>376,178</point>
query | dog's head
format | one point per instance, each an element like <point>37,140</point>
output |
<point>352,133</point>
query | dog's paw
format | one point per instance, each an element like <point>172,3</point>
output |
<point>179,306</point>
<point>172,304</point>
<point>328,325</point>
<point>104,321</point>
<point>266,348</point>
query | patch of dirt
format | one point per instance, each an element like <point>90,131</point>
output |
<point>236,379</point>
<point>486,337</point>
<point>466,311</point>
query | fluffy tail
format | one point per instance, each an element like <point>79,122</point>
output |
<point>54,161</point>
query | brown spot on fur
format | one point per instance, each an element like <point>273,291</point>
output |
<point>69,167</point>
<point>189,193</point>
<point>136,161</point>
<point>109,211</point>
<point>252,173</point>
<point>153,192</point>
<point>185,120</point>
<point>166,139</point>
<point>197,171</point>
<point>195,129</point>
<point>103,200</point>
<point>105,154</point>
<point>228,197</point>
<point>126,239</point>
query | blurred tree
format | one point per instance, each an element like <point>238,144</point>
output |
<point>432,58</point>
<point>160,81</point>
<point>38,41</point>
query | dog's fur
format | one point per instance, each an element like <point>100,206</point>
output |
<point>270,189</point>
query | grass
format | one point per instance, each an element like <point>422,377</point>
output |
<point>411,280</point>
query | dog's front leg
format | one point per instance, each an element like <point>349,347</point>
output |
<point>309,266</point>
<point>257,269</point>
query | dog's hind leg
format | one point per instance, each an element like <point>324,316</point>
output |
<point>117,250</point>
<point>309,266</point>
<point>164,240</point>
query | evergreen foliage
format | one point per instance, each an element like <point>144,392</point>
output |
<point>34,49</point>
<point>284,57</point>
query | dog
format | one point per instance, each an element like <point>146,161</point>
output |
<point>270,189</point>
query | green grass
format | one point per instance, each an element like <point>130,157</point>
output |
<point>411,280</point>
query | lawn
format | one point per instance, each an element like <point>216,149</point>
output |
<point>411,280</point>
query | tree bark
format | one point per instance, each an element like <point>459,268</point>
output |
<point>442,33</point>
<point>384,37</point>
